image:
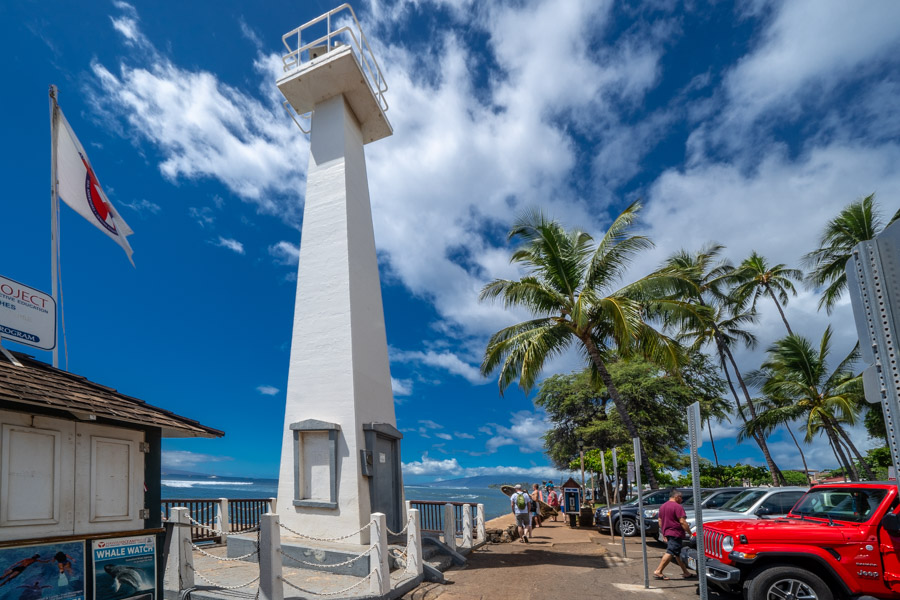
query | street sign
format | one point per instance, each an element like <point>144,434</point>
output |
<point>630,471</point>
<point>27,315</point>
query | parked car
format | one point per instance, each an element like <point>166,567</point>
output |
<point>625,522</point>
<point>709,499</point>
<point>840,540</point>
<point>752,503</point>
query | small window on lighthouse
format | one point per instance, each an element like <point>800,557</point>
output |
<point>315,463</point>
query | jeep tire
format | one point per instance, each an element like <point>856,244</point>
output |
<point>627,527</point>
<point>778,583</point>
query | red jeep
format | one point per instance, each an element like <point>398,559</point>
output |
<point>839,541</point>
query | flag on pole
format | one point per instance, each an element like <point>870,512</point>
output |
<point>79,188</point>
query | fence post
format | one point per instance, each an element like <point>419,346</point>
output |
<point>179,570</point>
<point>270,585</point>
<point>467,526</point>
<point>222,520</point>
<point>408,506</point>
<point>273,508</point>
<point>414,563</point>
<point>380,581</point>
<point>481,534</point>
<point>450,526</point>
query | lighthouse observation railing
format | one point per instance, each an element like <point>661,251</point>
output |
<point>208,521</point>
<point>341,28</point>
<point>432,514</point>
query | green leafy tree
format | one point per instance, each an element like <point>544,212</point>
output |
<point>773,413</point>
<point>571,288</point>
<point>796,478</point>
<point>857,222</point>
<point>755,277</point>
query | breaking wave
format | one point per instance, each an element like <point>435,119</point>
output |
<point>179,483</point>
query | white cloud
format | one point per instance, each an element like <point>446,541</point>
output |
<point>444,436</point>
<point>267,390</point>
<point>430,424</point>
<point>285,253</point>
<point>142,206</point>
<point>401,387</point>
<point>185,458</point>
<point>233,245</point>
<point>463,436</point>
<point>526,431</point>
<point>430,466</point>
<point>451,467</point>
<point>204,216</point>
<point>445,360</point>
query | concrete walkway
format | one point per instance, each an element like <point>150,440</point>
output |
<point>559,562</point>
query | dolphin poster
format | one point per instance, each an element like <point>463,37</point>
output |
<point>42,572</point>
<point>125,568</point>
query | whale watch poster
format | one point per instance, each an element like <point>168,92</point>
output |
<point>45,572</point>
<point>125,568</point>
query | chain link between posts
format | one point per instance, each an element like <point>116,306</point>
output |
<point>219,531</point>
<point>334,539</point>
<point>219,586</point>
<point>402,531</point>
<point>226,559</point>
<point>320,565</point>
<point>338,592</point>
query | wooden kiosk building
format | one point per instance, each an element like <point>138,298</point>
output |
<point>80,486</point>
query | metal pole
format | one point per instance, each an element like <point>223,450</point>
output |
<point>693,414</point>
<point>581,452</point>
<point>618,503</point>
<point>54,216</point>
<point>640,487</point>
<point>606,492</point>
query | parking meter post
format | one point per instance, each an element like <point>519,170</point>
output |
<point>640,487</point>
<point>694,424</point>
<point>618,503</point>
<point>612,534</point>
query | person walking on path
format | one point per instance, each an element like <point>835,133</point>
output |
<point>536,498</point>
<point>673,524</point>
<point>553,499</point>
<point>521,507</point>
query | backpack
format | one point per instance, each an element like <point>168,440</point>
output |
<point>521,501</point>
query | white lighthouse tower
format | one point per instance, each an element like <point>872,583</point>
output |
<point>340,458</point>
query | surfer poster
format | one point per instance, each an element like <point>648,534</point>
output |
<point>125,568</point>
<point>42,572</point>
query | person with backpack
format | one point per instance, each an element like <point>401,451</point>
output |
<point>521,507</point>
<point>536,498</point>
<point>552,499</point>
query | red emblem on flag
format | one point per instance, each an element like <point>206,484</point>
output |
<point>95,198</point>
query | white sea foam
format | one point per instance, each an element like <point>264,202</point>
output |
<point>177,483</point>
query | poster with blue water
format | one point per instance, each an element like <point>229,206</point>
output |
<point>125,568</point>
<point>42,572</point>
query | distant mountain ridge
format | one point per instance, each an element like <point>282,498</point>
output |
<point>483,481</point>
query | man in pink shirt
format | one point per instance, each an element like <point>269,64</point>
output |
<point>673,524</point>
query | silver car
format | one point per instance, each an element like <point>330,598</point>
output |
<point>753,503</point>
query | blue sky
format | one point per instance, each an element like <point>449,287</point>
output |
<point>747,123</point>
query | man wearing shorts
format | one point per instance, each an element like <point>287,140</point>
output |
<point>521,507</point>
<point>673,524</point>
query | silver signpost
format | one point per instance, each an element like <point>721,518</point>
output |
<point>873,278</point>
<point>612,534</point>
<point>693,414</point>
<point>618,502</point>
<point>637,479</point>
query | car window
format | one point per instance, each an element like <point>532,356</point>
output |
<point>788,500</point>
<point>743,501</point>
<point>855,505</point>
<point>657,498</point>
<point>721,498</point>
<point>770,506</point>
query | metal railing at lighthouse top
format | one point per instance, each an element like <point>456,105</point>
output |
<point>341,28</point>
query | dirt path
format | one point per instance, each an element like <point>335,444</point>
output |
<point>559,562</point>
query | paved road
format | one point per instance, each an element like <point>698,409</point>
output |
<point>559,563</point>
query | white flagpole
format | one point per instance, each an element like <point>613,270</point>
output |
<point>54,212</point>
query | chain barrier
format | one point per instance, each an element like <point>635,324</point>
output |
<point>334,539</point>
<point>346,589</point>
<point>320,565</point>
<point>224,558</point>
<point>219,531</point>
<point>402,531</point>
<point>222,587</point>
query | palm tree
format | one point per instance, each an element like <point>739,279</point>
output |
<point>798,372</point>
<point>755,277</point>
<point>714,408</point>
<point>772,413</point>
<point>570,288</point>
<point>859,221</point>
<point>724,326</point>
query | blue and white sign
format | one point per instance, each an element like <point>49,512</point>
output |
<point>125,568</point>
<point>27,316</point>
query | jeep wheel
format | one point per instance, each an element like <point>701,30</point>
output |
<point>627,527</point>
<point>788,583</point>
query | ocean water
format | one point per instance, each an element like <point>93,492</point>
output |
<point>182,487</point>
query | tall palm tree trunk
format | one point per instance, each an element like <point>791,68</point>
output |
<point>774,471</point>
<point>836,457</point>
<point>780,311</point>
<point>712,441</point>
<point>800,450</point>
<point>852,447</point>
<point>619,403</point>
<point>848,464</point>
